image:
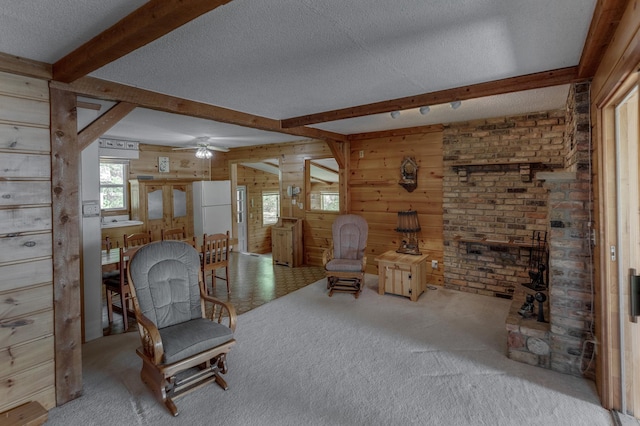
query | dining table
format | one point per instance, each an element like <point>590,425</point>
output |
<point>110,257</point>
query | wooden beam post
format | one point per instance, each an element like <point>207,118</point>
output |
<point>65,184</point>
<point>103,123</point>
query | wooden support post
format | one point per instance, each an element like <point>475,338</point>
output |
<point>67,295</point>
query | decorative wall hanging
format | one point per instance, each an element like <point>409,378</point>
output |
<point>409,174</point>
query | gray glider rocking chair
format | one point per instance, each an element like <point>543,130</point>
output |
<point>185,333</point>
<point>345,261</point>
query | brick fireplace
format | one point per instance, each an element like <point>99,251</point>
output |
<point>506,179</point>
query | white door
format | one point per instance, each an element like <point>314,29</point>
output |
<point>241,217</point>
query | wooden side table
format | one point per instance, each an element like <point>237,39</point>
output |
<point>402,274</point>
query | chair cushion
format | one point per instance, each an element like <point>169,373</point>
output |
<point>350,234</point>
<point>111,274</point>
<point>344,265</point>
<point>165,274</point>
<point>188,338</point>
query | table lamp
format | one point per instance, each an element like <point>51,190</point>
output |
<point>408,225</point>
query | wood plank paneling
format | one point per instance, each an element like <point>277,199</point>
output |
<point>25,247</point>
<point>33,166</point>
<point>15,221</point>
<point>23,301</point>
<point>24,110</point>
<point>22,385</point>
<point>257,182</point>
<point>183,165</point>
<point>375,193</point>
<point>21,329</point>
<point>26,273</point>
<point>21,138</point>
<point>291,158</point>
<point>20,193</point>
<point>27,354</point>
<point>24,87</point>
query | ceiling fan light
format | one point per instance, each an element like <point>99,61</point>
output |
<point>203,152</point>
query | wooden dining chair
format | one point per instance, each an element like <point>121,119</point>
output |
<point>106,243</point>
<point>118,285</point>
<point>215,255</point>
<point>173,234</point>
<point>137,239</point>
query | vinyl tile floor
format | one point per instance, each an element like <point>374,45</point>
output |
<point>254,281</point>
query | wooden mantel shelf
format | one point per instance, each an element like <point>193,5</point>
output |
<point>489,242</point>
<point>524,167</point>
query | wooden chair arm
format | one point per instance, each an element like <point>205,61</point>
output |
<point>221,310</point>
<point>327,255</point>
<point>151,340</point>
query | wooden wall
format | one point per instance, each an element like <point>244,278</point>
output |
<point>291,158</point>
<point>373,190</point>
<point>27,355</point>
<point>256,181</point>
<point>375,193</point>
<point>183,164</point>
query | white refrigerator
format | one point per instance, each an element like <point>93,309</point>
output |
<point>211,207</point>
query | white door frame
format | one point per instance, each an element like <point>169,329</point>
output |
<point>241,217</point>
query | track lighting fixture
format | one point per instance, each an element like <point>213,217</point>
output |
<point>424,110</point>
<point>395,114</point>
<point>456,104</point>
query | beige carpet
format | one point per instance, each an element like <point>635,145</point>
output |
<point>307,359</point>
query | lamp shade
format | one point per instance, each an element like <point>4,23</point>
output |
<point>408,221</point>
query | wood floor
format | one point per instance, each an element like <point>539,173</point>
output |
<point>255,280</point>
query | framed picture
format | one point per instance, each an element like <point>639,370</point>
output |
<point>163,164</point>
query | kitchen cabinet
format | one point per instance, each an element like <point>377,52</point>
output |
<point>286,242</point>
<point>162,204</point>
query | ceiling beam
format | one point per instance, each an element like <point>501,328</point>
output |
<point>142,26</point>
<point>396,132</point>
<point>496,87</point>
<point>604,23</point>
<point>26,67</point>
<point>103,123</point>
<point>268,163</point>
<point>88,105</point>
<point>338,151</point>
<point>317,179</point>
<point>106,90</point>
<point>321,167</point>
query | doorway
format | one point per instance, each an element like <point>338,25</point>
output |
<point>619,209</point>
<point>628,233</point>
<point>241,217</point>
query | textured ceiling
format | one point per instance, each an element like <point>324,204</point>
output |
<point>286,58</point>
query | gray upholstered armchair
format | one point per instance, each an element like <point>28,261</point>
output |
<point>181,327</point>
<point>345,261</point>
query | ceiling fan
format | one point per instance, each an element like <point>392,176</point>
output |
<point>203,148</point>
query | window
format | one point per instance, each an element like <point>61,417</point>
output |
<point>330,201</point>
<point>113,185</point>
<point>270,207</point>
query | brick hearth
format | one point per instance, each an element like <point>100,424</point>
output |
<point>505,179</point>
